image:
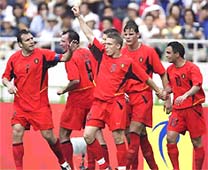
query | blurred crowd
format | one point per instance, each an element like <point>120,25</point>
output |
<point>169,19</point>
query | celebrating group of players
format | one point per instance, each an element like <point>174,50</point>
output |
<point>109,83</point>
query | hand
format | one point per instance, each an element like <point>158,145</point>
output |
<point>180,99</point>
<point>12,89</point>
<point>162,94</point>
<point>74,44</point>
<point>60,92</point>
<point>167,106</point>
<point>75,10</point>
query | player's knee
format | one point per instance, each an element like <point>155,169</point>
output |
<point>88,137</point>
<point>18,131</point>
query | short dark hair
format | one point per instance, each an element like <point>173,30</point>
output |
<point>110,30</point>
<point>72,35</point>
<point>177,48</point>
<point>19,35</point>
<point>131,24</point>
<point>117,37</point>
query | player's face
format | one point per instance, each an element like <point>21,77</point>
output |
<point>131,36</point>
<point>27,43</point>
<point>64,42</point>
<point>104,37</point>
<point>170,55</point>
<point>111,46</point>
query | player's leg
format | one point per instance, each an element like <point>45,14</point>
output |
<point>18,149</point>
<point>199,153</point>
<point>135,130</point>
<point>172,148</point>
<point>147,150</point>
<point>119,136</point>
<point>101,140</point>
<point>66,145</point>
<point>93,146</point>
<point>55,146</point>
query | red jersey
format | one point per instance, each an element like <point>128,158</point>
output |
<point>181,80</point>
<point>148,59</point>
<point>31,77</point>
<point>81,67</point>
<point>112,73</point>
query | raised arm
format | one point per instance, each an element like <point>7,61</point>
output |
<point>85,28</point>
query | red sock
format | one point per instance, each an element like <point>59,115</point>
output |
<point>18,153</point>
<point>121,154</point>
<point>96,149</point>
<point>173,155</point>
<point>105,153</point>
<point>56,148</point>
<point>135,163</point>
<point>199,155</point>
<point>90,160</point>
<point>133,148</point>
<point>147,152</point>
<point>67,151</point>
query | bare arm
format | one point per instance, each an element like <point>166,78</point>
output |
<point>12,89</point>
<point>191,92</point>
<point>159,92</point>
<point>71,86</point>
<point>164,80</point>
<point>85,28</point>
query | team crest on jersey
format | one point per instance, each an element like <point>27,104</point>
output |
<point>183,76</point>
<point>141,59</point>
<point>113,68</point>
<point>36,60</point>
<point>122,65</point>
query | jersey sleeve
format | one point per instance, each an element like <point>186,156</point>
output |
<point>196,76</point>
<point>51,57</point>
<point>72,70</point>
<point>9,70</point>
<point>97,49</point>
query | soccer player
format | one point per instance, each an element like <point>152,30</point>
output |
<point>29,69</point>
<point>140,95</point>
<point>109,105</point>
<point>185,82</point>
<point>80,71</point>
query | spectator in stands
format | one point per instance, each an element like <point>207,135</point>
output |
<point>203,19</point>
<point>192,30</point>
<point>20,18</point>
<point>85,11</point>
<point>119,8</point>
<point>67,21</point>
<point>8,27</point>
<point>107,23</point>
<point>149,29</point>
<point>108,12</point>
<point>90,21</point>
<point>172,29</point>
<point>158,14</point>
<point>39,21</point>
<point>132,14</point>
<point>50,31</point>
<point>176,11</point>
